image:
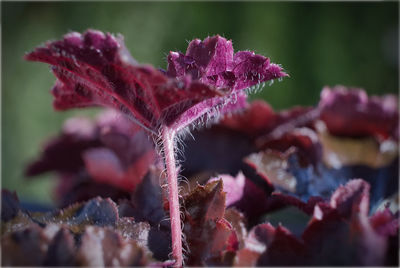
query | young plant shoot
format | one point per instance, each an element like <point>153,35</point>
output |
<point>95,69</point>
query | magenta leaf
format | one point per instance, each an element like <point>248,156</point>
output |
<point>350,112</point>
<point>213,62</point>
<point>94,69</point>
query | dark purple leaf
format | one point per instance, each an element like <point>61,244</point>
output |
<point>95,69</point>
<point>259,119</point>
<point>107,157</point>
<point>350,112</point>
<point>344,228</point>
<point>283,248</point>
<point>213,62</point>
<point>64,153</point>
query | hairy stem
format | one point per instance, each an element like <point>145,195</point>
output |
<point>168,136</point>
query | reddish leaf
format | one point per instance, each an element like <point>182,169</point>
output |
<point>344,228</point>
<point>64,153</point>
<point>283,249</point>
<point>107,157</point>
<point>213,62</point>
<point>350,112</point>
<point>385,222</point>
<point>260,120</point>
<point>95,69</point>
<point>353,197</point>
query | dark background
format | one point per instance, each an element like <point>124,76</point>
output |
<point>318,44</point>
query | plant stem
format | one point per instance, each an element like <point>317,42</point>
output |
<point>168,136</point>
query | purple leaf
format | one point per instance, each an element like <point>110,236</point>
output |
<point>213,62</point>
<point>259,120</point>
<point>107,157</point>
<point>92,69</point>
<point>350,112</point>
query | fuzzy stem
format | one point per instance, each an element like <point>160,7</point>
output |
<point>168,136</point>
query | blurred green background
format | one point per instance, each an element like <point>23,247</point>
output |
<point>317,43</point>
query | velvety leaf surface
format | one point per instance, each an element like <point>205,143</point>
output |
<point>95,69</point>
<point>350,112</point>
<point>213,62</point>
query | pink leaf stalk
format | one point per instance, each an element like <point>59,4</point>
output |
<point>95,69</point>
